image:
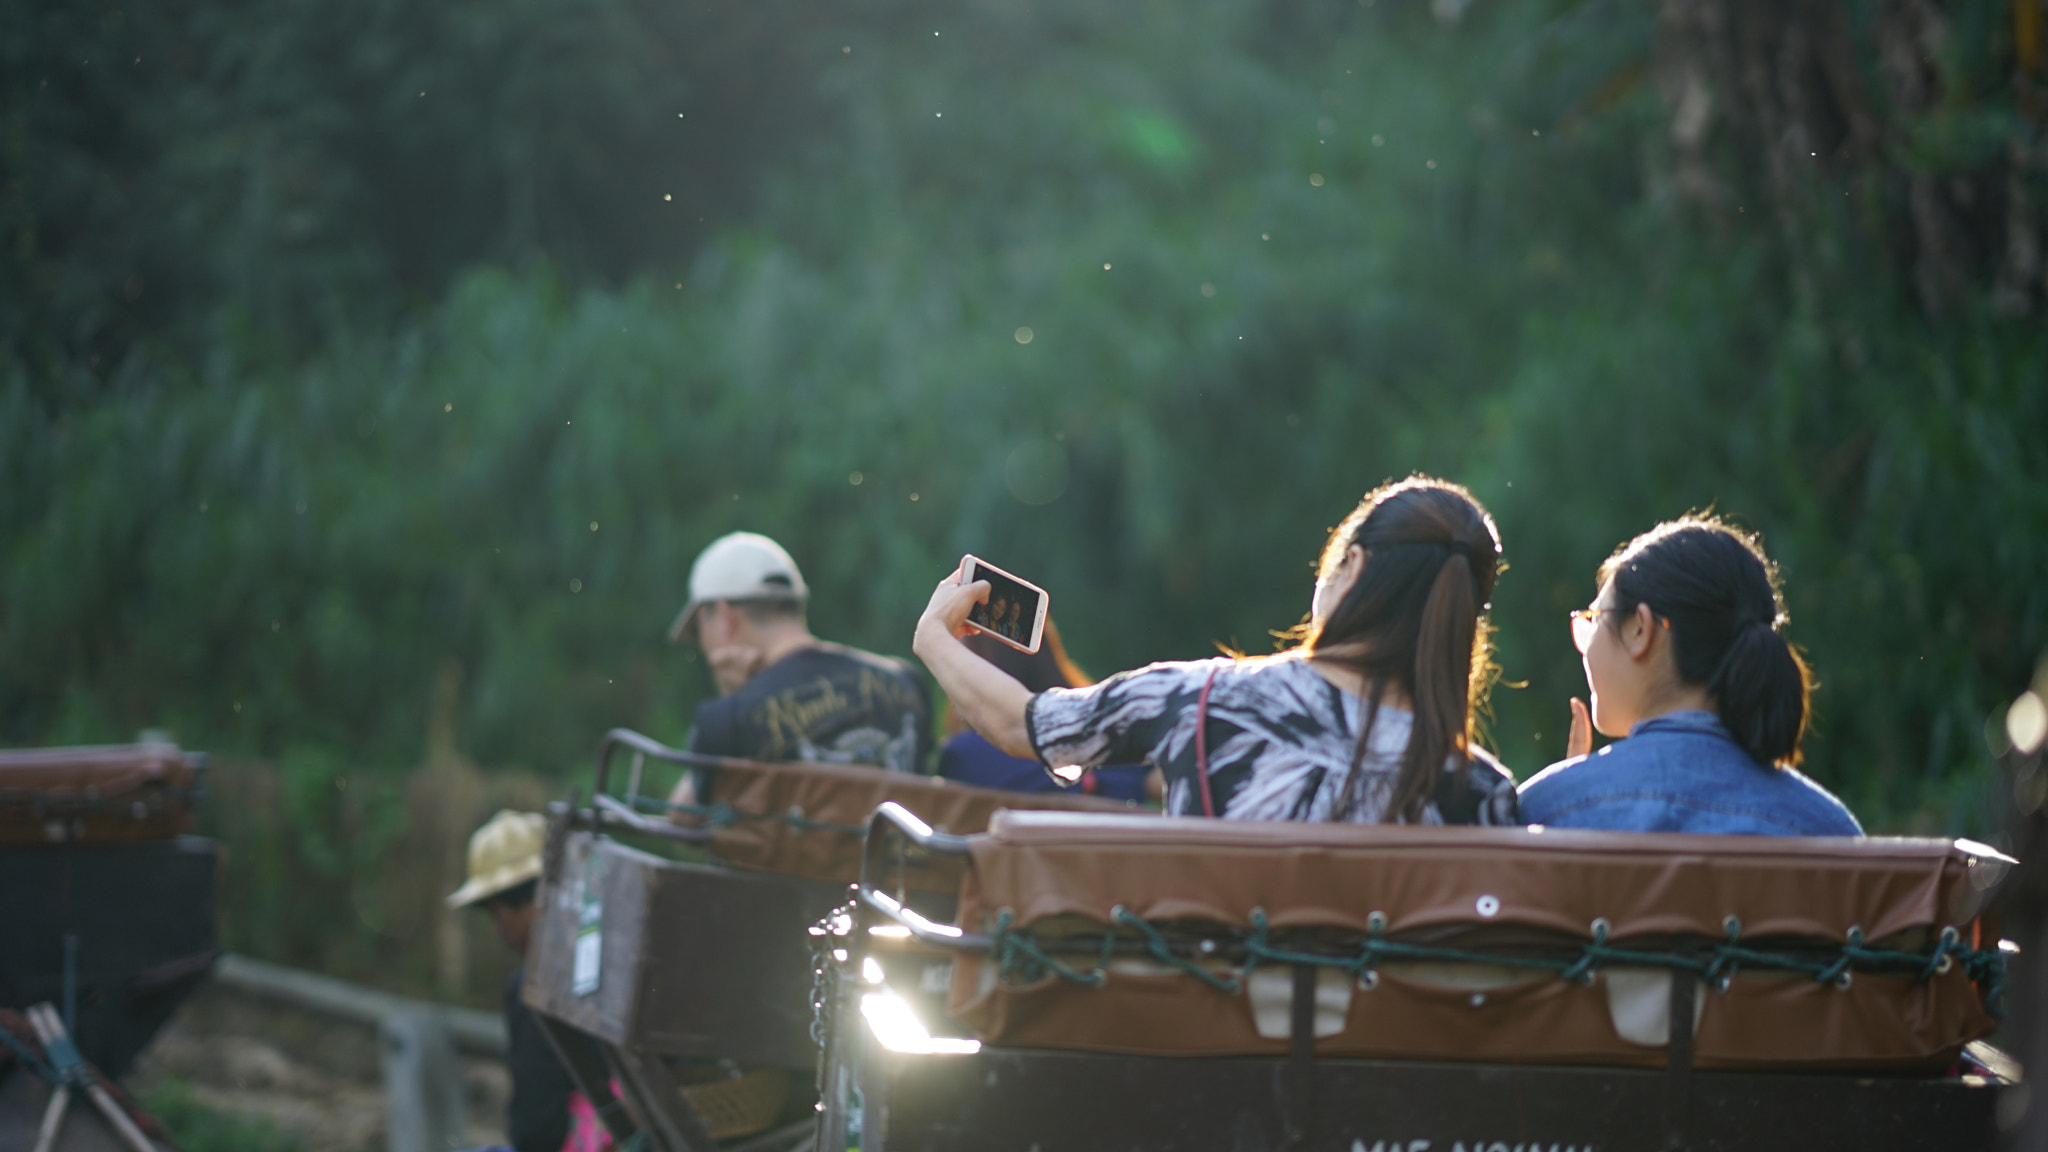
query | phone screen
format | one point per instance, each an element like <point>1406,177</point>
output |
<point>1012,608</point>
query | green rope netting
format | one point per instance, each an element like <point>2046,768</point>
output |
<point>725,815</point>
<point>1022,959</point>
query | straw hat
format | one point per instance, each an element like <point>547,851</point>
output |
<point>503,854</point>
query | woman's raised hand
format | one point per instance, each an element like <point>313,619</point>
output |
<point>946,613</point>
<point>1579,741</point>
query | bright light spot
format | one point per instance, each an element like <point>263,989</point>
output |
<point>1069,772</point>
<point>1208,290</point>
<point>1535,132</point>
<point>1024,334</point>
<point>593,525</point>
<point>448,407</point>
<point>871,970</point>
<point>913,497</point>
<point>1316,179</point>
<point>2026,722</point>
<point>854,478</point>
<point>1105,267</point>
<point>839,954</point>
<point>936,115</point>
<point>1265,236</point>
<point>890,931</point>
<point>667,196</point>
<point>575,585</point>
<point>899,1030</point>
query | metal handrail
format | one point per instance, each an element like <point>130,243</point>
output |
<point>646,746</point>
<point>893,823</point>
<point>609,811</point>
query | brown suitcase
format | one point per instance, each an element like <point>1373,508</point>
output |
<point>111,792</point>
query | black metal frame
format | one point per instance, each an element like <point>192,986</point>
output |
<point>607,812</point>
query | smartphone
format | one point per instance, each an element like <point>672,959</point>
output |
<point>1015,612</point>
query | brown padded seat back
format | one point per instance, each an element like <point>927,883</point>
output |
<point>806,820</point>
<point>103,792</point>
<point>1478,886</point>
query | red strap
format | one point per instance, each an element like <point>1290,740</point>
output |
<point>1202,743</point>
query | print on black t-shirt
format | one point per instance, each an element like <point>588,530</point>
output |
<point>827,703</point>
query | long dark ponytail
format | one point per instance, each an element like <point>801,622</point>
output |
<point>1721,594</point>
<point>1413,620</point>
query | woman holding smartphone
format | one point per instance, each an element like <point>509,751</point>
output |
<point>1368,720</point>
<point>1684,657</point>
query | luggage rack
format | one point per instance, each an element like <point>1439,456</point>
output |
<point>959,1095</point>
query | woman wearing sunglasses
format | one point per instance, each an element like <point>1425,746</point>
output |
<point>1683,657</point>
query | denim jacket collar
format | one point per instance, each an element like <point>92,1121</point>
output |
<point>1689,720</point>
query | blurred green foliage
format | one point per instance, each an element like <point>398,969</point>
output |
<point>1133,299</point>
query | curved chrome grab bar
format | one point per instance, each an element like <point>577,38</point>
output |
<point>894,822</point>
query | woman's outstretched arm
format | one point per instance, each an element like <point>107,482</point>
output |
<point>989,699</point>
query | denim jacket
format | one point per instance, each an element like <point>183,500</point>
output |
<point>1682,772</point>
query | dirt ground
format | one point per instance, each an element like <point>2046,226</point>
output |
<point>314,1078</point>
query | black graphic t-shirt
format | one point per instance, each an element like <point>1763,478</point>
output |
<point>826,703</point>
<point>1280,740</point>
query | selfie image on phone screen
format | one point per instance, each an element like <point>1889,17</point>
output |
<point>1012,608</point>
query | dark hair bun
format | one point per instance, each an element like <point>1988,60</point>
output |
<point>1721,595</point>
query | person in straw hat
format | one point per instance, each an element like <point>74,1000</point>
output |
<point>546,1113</point>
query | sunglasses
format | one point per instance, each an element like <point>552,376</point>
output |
<point>1584,620</point>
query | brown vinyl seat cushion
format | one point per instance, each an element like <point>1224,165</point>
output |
<point>806,820</point>
<point>102,792</point>
<point>1511,890</point>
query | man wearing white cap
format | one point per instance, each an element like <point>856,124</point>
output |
<point>784,693</point>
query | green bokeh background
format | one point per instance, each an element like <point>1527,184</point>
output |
<point>355,350</point>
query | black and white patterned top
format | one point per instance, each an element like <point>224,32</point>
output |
<point>1280,741</point>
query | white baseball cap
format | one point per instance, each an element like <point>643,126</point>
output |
<point>740,566</point>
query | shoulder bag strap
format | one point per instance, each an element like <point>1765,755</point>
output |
<point>1202,743</point>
